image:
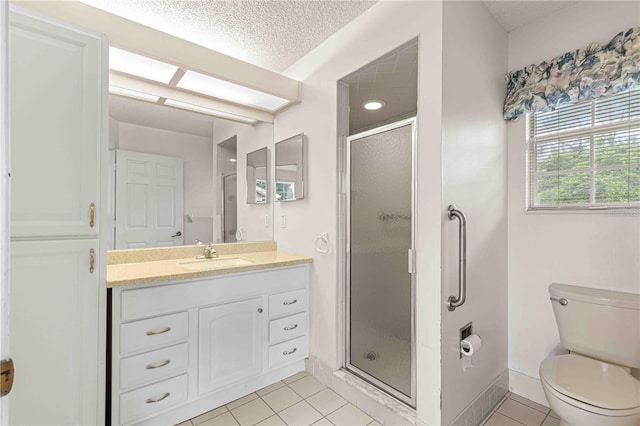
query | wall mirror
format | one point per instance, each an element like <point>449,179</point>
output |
<point>258,176</point>
<point>212,154</point>
<point>290,168</point>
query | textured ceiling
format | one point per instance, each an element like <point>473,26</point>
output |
<point>270,34</point>
<point>393,78</point>
<point>514,14</point>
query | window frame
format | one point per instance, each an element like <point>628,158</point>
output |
<point>591,132</point>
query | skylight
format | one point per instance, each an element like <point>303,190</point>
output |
<point>141,66</point>
<point>229,91</point>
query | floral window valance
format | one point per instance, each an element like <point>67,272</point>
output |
<point>579,75</point>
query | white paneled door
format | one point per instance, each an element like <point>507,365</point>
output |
<point>55,121</point>
<point>149,200</point>
<point>54,332</point>
<point>230,343</point>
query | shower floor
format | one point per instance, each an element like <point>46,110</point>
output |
<point>387,358</point>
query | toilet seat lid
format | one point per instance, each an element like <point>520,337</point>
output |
<point>593,382</point>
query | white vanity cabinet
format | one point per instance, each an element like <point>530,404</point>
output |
<point>180,349</point>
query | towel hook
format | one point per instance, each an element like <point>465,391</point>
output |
<point>323,238</point>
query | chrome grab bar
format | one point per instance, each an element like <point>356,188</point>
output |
<point>454,302</point>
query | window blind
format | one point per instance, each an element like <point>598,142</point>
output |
<point>586,155</point>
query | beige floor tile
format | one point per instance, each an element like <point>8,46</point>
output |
<point>185,423</point>
<point>326,401</point>
<point>374,423</point>
<point>252,412</point>
<point>295,377</point>
<point>281,398</point>
<point>498,419</point>
<point>209,415</point>
<point>272,421</point>
<point>551,421</point>
<point>270,388</point>
<point>529,403</point>
<point>307,386</point>
<point>301,414</point>
<point>240,401</point>
<point>521,413</point>
<point>554,414</point>
<point>323,422</point>
<point>349,415</point>
<point>225,419</point>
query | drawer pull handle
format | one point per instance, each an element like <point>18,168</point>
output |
<point>290,302</point>
<point>158,331</point>
<point>92,215</point>
<point>291,327</point>
<point>290,352</point>
<point>158,399</point>
<point>92,260</point>
<point>158,364</point>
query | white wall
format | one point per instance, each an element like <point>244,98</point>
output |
<point>354,46</point>
<point>196,151</point>
<point>251,217</point>
<point>595,249</point>
<point>474,167</point>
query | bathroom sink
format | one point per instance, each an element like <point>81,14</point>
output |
<point>205,264</point>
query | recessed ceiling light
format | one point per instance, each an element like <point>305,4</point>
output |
<point>373,105</point>
<point>131,63</point>
<point>209,111</point>
<point>132,94</point>
<point>229,91</point>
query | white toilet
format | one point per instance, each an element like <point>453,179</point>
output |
<point>593,385</point>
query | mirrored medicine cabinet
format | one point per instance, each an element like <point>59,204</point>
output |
<point>258,176</point>
<point>290,161</point>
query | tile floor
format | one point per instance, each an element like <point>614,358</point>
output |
<point>298,400</point>
<point>301,400</point>
<point>517,411</point>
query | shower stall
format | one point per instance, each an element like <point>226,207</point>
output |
<point>380,344</point>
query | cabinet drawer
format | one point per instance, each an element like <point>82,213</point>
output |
<point>153,366</point>
<point>286,352</point>
<point>287,303</point>
<point>152,399</point>
<point>153,332</point>
<point>287,328</point>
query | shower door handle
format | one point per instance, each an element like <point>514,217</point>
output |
<point>454,302</point>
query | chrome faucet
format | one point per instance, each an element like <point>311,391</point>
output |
<point>209,252</point>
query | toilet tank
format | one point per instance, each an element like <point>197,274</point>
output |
<point>600,324</point>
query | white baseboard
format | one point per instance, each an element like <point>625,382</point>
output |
<point>527,387</point>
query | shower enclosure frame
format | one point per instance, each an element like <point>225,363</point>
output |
<point>411,399</point>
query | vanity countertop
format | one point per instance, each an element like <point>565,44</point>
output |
<point>144,266</point>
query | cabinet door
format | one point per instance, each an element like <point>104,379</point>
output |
<point>55,333</point>
<point>230,343</point>
<point>55,88</point>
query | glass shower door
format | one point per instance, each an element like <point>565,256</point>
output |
<point>380,343</point>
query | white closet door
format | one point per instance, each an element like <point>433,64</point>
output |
<point>55,333</point>
<point>149,200</point>
<point>55,91</point>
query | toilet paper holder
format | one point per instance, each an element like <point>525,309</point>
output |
<point>465,332</point>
